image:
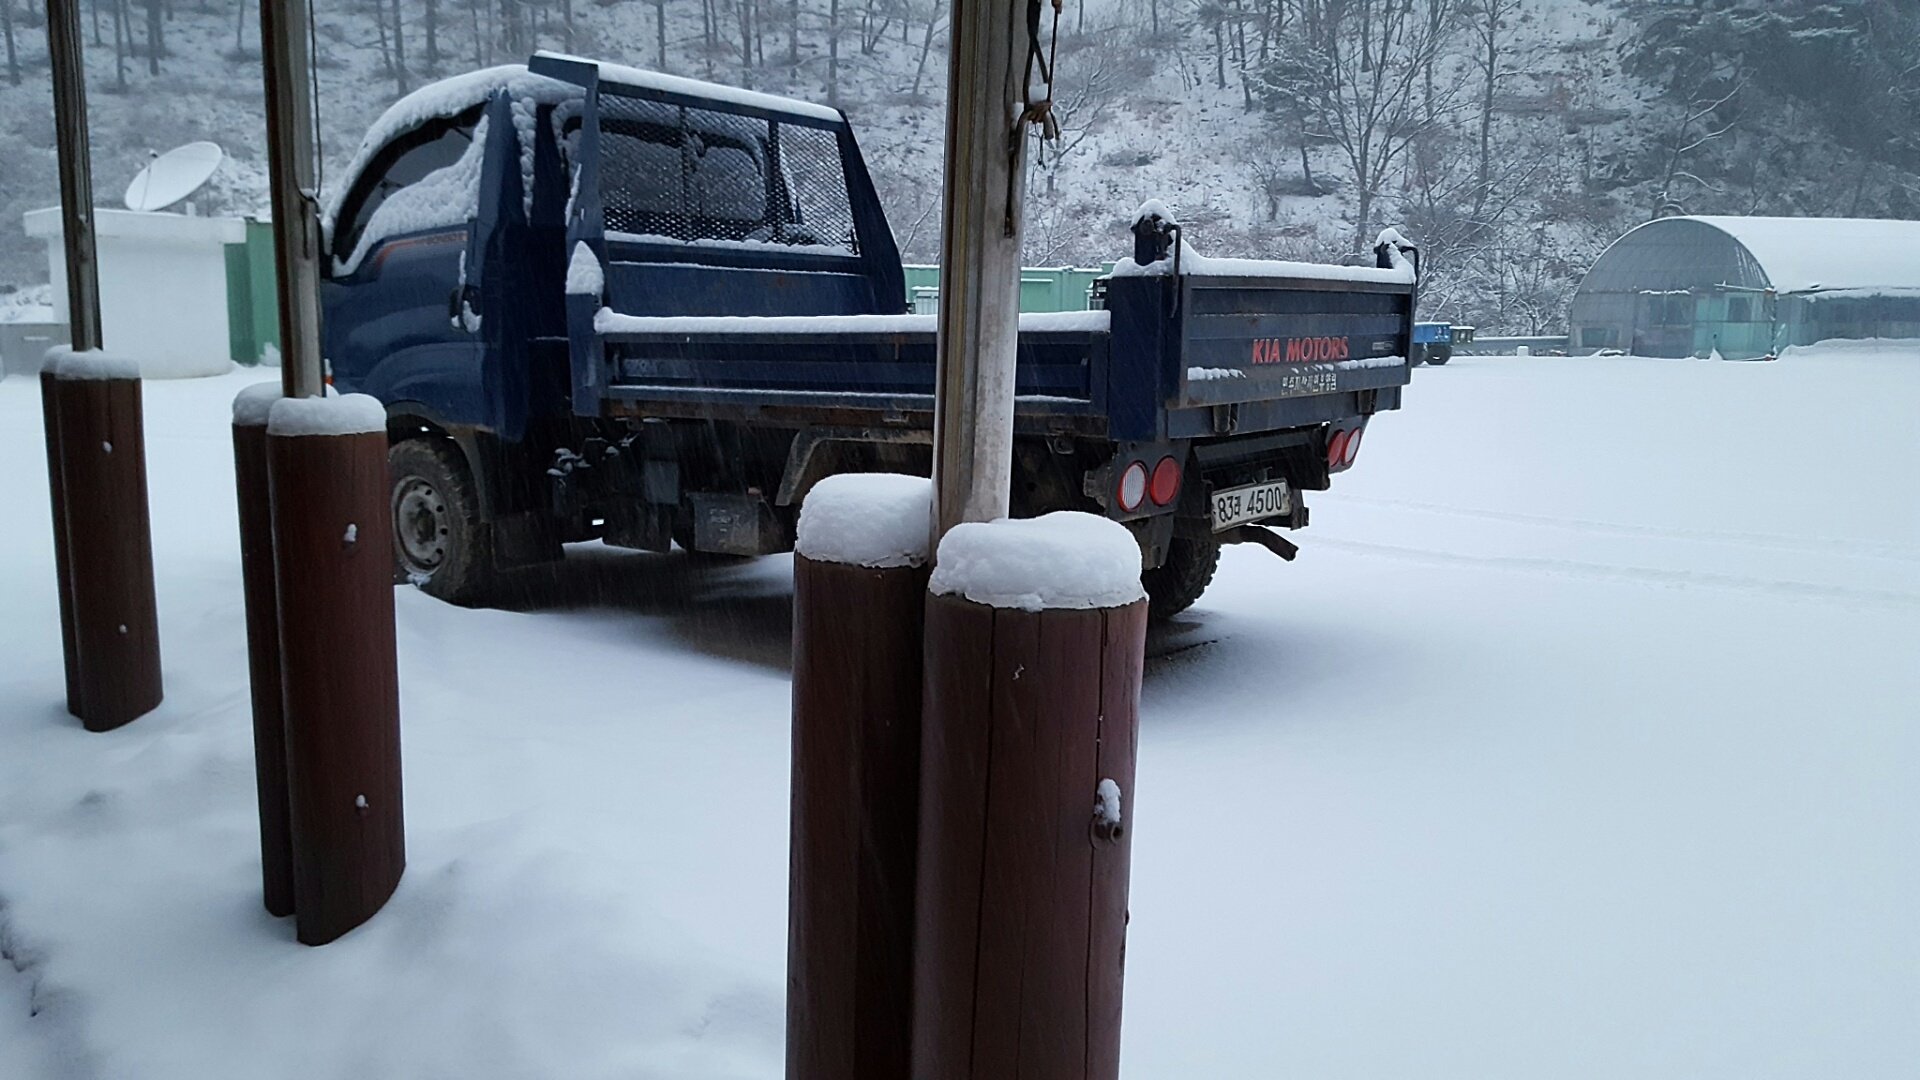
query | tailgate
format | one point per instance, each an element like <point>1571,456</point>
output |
<point>1254,339</point>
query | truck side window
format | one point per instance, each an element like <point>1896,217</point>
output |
<point>405,160</point>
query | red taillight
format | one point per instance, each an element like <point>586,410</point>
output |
<point>1133,487</point>
<point>1337,449</point>
<point>1353,446</point>
<point>1165,483</point>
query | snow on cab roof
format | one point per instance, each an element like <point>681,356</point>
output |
<point>1822,254</point>
<point>446,97</point>
<point>675,84</point>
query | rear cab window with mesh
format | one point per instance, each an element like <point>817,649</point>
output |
<point>674,174</point>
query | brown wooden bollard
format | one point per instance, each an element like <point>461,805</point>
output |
<point>56,491</point>
<point>250,409</point>
<point>859,601</point>
<point>103,495</point>
<point>1034,647</point>
<point>333,575</point>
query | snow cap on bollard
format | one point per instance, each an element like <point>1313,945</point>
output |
<point>252,404</point>
<point>350,414</point>
<point>1063,560</point>
<point>63,363</point>
<point>876,520</point>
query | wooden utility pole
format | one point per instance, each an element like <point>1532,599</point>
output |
<point>1029,707</point>
<point>339,841</point>
<point>291,188</point>
<point>979,320</point>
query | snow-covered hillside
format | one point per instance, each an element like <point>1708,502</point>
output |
<point>1155,98</point>
<point>1579,743</point>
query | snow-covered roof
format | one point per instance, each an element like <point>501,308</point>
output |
<point>1807,254</point>
<point>675,84</point>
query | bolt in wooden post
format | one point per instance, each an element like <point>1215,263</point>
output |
<point>56,488</point>
<point>333,574</point>
<point>103,485</point>
<point>860,587</point>
<point>1026,784</point>
<point>250,409</point>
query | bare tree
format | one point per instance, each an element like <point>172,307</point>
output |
<point>13,57</point>
<point>833,52</point>
<point>156,37</point>
<point>936,13</point>
<point>1707,116</point>
<point>1489,21</point>
<point>1083,95</point>
<point>1364,60</point>
<point>399,50</point>
<point>122,44</point>
<point>660,34</point>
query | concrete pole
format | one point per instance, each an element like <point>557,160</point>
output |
<point>76,172</point>
<point>291,152</point>
<point>980,218</point>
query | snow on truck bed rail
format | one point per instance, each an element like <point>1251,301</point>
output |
<point>608,321</point>
<point>675,84</point>
<point>1194,264</point>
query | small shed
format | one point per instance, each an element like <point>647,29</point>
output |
<point>163,285</point>
<point>1747,287</point>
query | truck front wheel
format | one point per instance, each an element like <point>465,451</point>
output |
<point>439,542</point>
<point>1174,585</point>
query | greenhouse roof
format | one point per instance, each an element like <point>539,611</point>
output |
<point>1809,254</point>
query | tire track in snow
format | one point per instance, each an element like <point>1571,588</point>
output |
<point>1812,545</point>
<point>1640,575</point>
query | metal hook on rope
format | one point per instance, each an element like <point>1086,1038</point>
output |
<point>1033,112</point>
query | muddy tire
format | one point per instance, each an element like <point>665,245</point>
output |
<point>1174,585</point>
<point>439,542</point>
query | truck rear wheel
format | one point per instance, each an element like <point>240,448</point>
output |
<point>439,542</point>
<point>1174,585</point>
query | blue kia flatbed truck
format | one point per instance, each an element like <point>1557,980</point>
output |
<point>604,303</point>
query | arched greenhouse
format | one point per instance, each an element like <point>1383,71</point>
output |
<point>1747,287</point>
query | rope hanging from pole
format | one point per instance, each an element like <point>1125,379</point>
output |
<point>1035,112</point>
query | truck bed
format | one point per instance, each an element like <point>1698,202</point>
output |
<point>1169,357</point>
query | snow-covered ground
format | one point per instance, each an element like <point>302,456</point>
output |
<point>1581,741</point>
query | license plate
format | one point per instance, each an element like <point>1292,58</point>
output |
<point>1237,506</point>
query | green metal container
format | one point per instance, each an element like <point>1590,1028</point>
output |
<point>253,309</point>
<point>1064,288</point>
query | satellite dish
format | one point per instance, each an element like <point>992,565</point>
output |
<point>173,176</point>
